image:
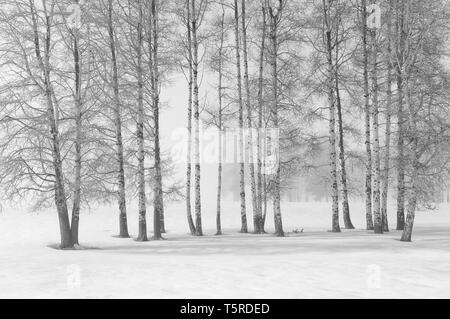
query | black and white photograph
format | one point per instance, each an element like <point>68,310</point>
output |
<point>224,149</point>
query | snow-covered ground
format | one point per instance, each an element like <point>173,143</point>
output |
<point>312,264</point>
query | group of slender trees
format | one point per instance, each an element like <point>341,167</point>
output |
<point>80,102</point>
<point>384,60</point>
<point>404,78</point>
<point>75,76</point>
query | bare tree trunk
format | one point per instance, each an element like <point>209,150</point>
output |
<point>78,105</point>
<point>332,121</point>
<point>259,218</point>
<point>189,125</point>
<point>385,176</point>
<point>412,196</point>
<point>412,199</point>
<point>405,48</point>
<point>118,126</point>
<point>264,208</point>
<point>195,63</point>
<point>161,214</point>
<point>400,121</point>
<point>345,202</point>
<point>244,228</point>
<point>400,159</point>
<point>154,74</point>
<point>219,169</point>
<point>142,236</point>
<point>378,226</point>
<point>44,65</point>
<point>274,22</point>
<point>61,203</point>
<point>369,220</point>
<point>219,189</point>
<point>256,222</point>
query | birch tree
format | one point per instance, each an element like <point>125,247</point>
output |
<point>343,169</point>
<point>195,16</point>
<point>78,139</point>
<point>367,111</point>
<point>328,38</point>
<point>220,120</point>
<point>425,27</point>
<point>189,119</point>
<point>388,116</point>
<point>142,236</point>
<point>244,228</point>
<point>123,223</point>
<point>260,181</point>
<point>375,126</point>
<point>256,223</point>
<point>43,55</point>
<point>275,16</point>
<point>155,87</point>
<point>399,57</point>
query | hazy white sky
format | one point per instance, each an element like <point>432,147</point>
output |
<point>174,116</point>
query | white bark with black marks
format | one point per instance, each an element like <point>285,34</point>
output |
<point>154,78</point>
<point>142,236</point>
<point>275,19</point>
<point>123,224</point>
<point>367,112</point>
<point>195,64</point>
<point>189,121</point>
<point>259,218</point>
<point>378,227</point>
<point>256,223</point>
<point>244,228</point>
<point>388,115</point>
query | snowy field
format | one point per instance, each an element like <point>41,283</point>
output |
<point>314,263</point>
